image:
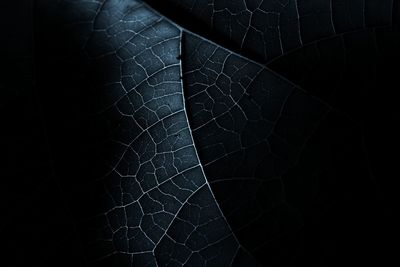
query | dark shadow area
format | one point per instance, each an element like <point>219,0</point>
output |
<point>51,137</point>
<point>36,226</point>
<point>357,75</point>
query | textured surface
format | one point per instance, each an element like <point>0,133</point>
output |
<point>200,133</point>
<point>157,206</point>
<point>266,29</point>
<point>239,112</point>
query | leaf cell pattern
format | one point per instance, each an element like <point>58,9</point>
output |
<point>195,141</point>
<point>239,112</point>
<point>161,210</point>
<point>264,29</point>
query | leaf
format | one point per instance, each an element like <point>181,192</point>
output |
<point>184,145</point>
